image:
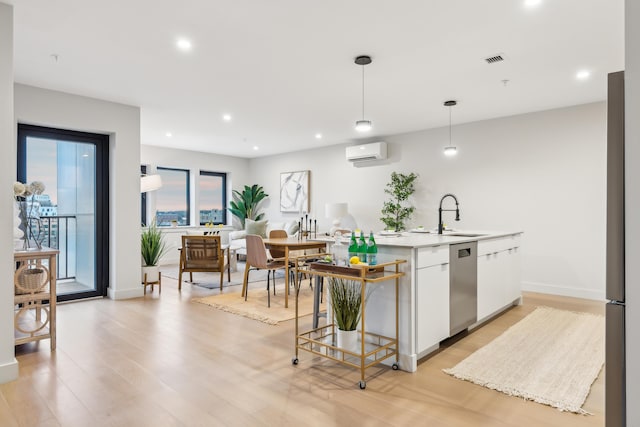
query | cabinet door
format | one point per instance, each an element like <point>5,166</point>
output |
<point>491,283</point>
<point>432,309</point>
<point>514,285</point>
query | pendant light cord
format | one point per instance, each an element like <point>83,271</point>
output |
<point>362,92</point>
<point>449,126</point>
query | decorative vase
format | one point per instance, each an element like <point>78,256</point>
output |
<point>18,232</point>
<point>348,340</point>
<point>151,271</point>
<point>21,223</point>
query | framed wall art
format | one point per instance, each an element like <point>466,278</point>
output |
<point>294,191</point>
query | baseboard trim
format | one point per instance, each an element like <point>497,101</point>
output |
<point>117,294</point>
<point>566,291</point>
<point>9,371</point>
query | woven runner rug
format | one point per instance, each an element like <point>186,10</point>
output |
<point>256,305</point>
<point>551,357</point>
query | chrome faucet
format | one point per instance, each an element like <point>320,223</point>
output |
<point>440,210</point>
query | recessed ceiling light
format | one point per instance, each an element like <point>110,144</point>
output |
<point>583,74</point>
<point>226,117</point>
<point>532,3</point>
<point>183,44</point>
<point>255,147</point>
<point>318,136</point>
<point>169,134</point>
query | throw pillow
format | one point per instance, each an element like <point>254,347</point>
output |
<point>291,228</point>
<point>237,235</point>
<point>256,227</point>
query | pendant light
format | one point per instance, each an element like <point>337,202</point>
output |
<point>363,125</point>
<point>450,150</point>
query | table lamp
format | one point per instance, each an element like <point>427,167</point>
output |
<point>150,183</point>
<point>335,211</point>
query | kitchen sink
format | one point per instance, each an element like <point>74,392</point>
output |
<point>464,234</point>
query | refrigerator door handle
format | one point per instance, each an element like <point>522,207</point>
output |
<point>615,390</point>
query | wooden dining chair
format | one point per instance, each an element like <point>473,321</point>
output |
<point>202,254</point>
<point>277,234</point>
<point>257,260</point>
<point>278,254</point>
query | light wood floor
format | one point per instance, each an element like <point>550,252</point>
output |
<point>164,361</point>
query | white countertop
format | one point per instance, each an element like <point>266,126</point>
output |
<point>409,239</point>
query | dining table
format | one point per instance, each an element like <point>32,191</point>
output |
<point>289,244</point>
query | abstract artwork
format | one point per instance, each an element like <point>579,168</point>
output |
<point>294,191</point>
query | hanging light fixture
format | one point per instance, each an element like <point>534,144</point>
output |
<point>363,125</point>
<point>450,150</point>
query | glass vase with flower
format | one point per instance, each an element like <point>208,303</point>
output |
<point>28,231</point>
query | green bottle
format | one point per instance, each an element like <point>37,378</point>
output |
<point>372,250</point>
<point>362,248</point>
<point>353,246</point>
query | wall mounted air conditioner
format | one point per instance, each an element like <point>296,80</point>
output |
<point>364,152</point>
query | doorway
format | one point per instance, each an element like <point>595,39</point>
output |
<point>73,209</point>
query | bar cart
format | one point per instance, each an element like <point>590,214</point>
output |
<point>321,341</point>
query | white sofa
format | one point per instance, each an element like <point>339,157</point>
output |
<point>238,242</point>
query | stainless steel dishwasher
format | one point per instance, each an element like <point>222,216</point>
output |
<point>463,286</point>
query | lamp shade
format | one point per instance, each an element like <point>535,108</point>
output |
<point>150,183</point>
<point>450,151</point>
<point>335,210</point>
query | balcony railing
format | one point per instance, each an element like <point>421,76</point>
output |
<point>58,232</point>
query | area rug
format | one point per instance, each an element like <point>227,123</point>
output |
<point>212,280</point>
<point>551,357</point>
<point>256,305</point>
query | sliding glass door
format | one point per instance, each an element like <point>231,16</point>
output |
<point>73,210</point>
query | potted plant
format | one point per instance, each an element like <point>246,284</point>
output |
<point>245,204</point>
<point>395,212</point>
<point>346,305</point>
<point>153,247</point>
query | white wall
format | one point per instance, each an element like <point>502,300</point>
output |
<point>632,204</point>
<point>543,173</point>
<point>122,122</point>
<point>8,363</point>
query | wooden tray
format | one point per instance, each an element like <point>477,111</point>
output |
<point>361,271</point>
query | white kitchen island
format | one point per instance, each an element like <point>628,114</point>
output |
<point>424,290</point>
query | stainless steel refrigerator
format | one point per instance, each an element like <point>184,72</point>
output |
<point>615,395</point>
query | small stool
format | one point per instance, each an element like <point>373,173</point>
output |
<point>156,282</point>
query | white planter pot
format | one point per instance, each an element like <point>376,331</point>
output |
<point>152,273</point>
<point>348,340</point>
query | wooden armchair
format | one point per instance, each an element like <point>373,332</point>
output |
<point>203,254</point>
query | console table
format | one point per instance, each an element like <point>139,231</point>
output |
<point>35,295</point>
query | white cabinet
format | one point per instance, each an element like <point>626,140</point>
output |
<point>498,274</point>
<point>498,283</point>
<point>432,309</point>
<point>514,285</point>
<point>491,278</point>
<point>432,296</point>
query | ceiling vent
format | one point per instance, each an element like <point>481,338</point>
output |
<point>493,59</point>
<point>364,152</point>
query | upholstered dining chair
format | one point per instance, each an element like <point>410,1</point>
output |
<point>202,254</point>
<point>257,260</point>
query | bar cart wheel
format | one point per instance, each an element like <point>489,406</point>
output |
<point>395,366</point>
<point>362,385</point>
<point>294,360</point>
